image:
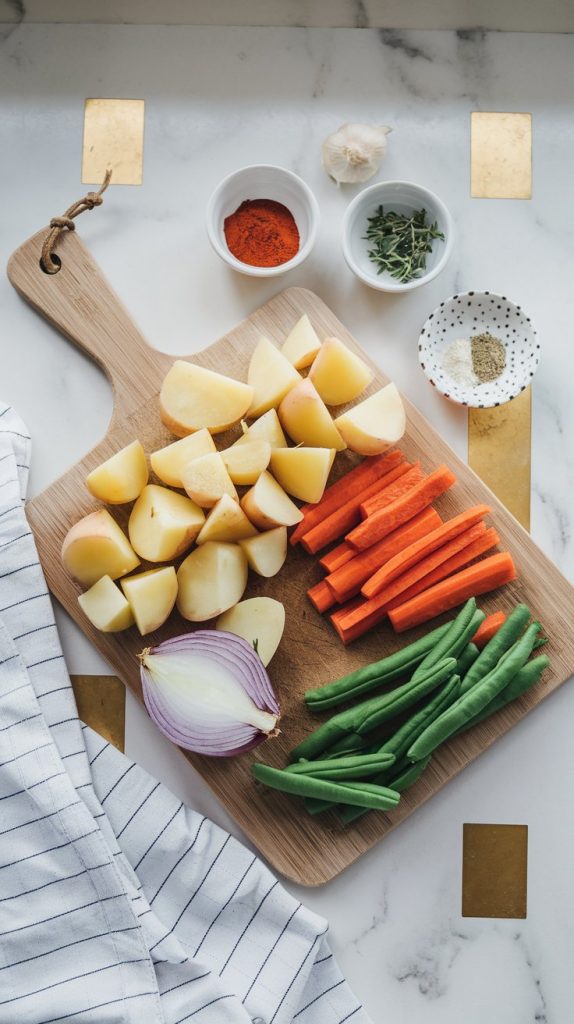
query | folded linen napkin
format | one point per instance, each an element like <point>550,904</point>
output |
<point>117,902</point>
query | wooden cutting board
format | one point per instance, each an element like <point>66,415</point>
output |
<point>80,303</point>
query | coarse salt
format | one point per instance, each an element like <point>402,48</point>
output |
<point>457,363</point>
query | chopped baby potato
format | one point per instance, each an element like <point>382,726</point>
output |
<point>106,607</point>
<point>169,463</point>
<point>163,524</point>
<point>375,424</point>
<point>226,521</point>
<point>192,398</point>
<point>303,472</point>
<point>267,505</point>
<point>206,480</point>
<point>305,417</point>
<point>266,552</point>
<point>246,462</point>
<point>338,374</point>
<point>210,580</point>
<point>121,478</point>
<point>301,344</point>
<point>260,621</point>
<point>271,376</point>
<point>95,547</point>
<point>151,596</point>
<point>266,428</point>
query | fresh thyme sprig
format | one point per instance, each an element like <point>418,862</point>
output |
<point>400,244</point>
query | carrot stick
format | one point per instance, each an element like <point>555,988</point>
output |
<point>335,525</point>
<point>384,497</point>
<point>321,597</point>
<point>337,557</point>
<point>347,581</point>
<point>398,584</point>
<point>383,522</point>
<point>488,628</point>
<point>422,547</point>
<point>361,618</point>
<point>477,579</point>
<point>337,494</point>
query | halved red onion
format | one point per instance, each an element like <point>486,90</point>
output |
<point>209,692</point>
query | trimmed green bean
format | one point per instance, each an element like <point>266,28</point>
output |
<point>363,794</point>
<point>404,697</point>
<point>350,744</point>
<point>399,783</point>
<point>455,639</point>
<point>402,662</point>
<point>526,677</point>
<point>501,642</point>
<point>541,642</point>
<point>363,766</point>
<point>466,658</point>
<point>371,712</point>
<point>404,737</point>
<point>472,702</point>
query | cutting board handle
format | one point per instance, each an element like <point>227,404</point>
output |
<point>79,301</point>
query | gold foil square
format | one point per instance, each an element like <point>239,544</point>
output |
<point>101,704</point>
<point>500,155</point>
<point>499,451</point>
<point>494,870</point>
<point>113,137</point>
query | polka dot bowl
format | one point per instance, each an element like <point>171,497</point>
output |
<point>464,316</point>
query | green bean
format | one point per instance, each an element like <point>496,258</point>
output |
<point>370,713</point>
<point>455,639</point>
<point>466,659</point>
<point>526,677</point>
<point>399,783</point>
<point>363,766</point>
<point>541,642</point>
<point>404,697</point>
<point>501,642</point>
<point>404,737</point>
<point>402,662</point>
<point>472,702</point>
<point>363,794</point>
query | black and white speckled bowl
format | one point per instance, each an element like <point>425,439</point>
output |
<point>477,313</point>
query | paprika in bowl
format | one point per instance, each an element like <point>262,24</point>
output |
<point>262,220</point>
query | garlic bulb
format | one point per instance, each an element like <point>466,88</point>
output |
<point>354,152</point>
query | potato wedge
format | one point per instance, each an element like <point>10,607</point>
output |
<point>260,621</point>
<point>303,472</point>
<point>163,524</point>
<point>270,375</point>
<point>305,417</point>
<point>120,478</point>
<point>106,607</point>
<point>301,344</point>
<point>169,463</point>
<point>266,553</point>
<point>267,505</point>
<point>206,480</point>
<point>210,580</point>
<point>95,547</point>
<point>375,424</point>
<point>266,428</point>
<point>151,596</point>
<point>246,462</point>
<point>338,374</point>
<point>192,397</point>
<point>226,521</point>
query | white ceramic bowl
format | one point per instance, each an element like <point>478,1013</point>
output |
<point>263,181</point>
<point>401,197</point>
<point>478,313</point>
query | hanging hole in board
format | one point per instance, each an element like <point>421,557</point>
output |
<point>55,259</point>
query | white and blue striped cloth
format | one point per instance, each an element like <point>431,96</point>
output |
<point>117,902</point>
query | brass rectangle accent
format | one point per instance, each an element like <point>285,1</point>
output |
<point>500,155</point>
<point>499,451</point>
<point>494,870</point>
<point>113,137</point>
<point>101,702</point>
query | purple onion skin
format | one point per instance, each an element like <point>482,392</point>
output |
<point>232,651</point>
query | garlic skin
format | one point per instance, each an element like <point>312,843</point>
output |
<point>354,152</point>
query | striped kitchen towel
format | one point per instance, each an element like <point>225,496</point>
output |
<point>117,902</point>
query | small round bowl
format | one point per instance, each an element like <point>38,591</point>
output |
<point>263,181</point>
<point>401,197</point>
<point>479,313</point>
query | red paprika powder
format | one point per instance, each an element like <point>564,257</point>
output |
<point>262,233</point>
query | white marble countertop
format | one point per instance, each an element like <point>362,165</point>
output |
<point>220,98</point>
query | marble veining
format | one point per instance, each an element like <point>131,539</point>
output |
<point>220,98</point>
